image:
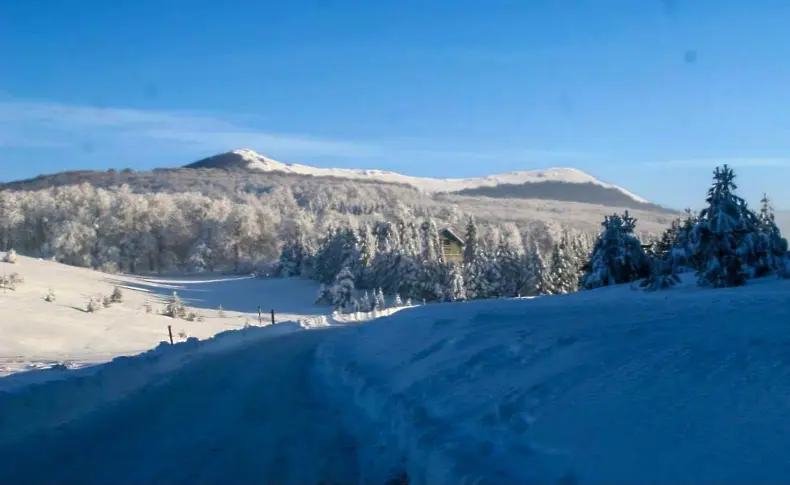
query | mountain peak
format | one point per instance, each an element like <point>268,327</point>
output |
<point>252,161</point>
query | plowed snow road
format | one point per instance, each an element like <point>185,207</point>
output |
<point>242,416</point>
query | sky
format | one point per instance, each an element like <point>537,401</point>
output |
<point>648,94</point>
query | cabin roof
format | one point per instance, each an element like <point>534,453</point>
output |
<point>449,234</point>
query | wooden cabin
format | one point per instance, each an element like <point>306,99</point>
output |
<point>452,245</point>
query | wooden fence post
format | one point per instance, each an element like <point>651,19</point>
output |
<point>272,316</point>
<point>170,331</point>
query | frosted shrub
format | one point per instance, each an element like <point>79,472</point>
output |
<point>50,298</point>
<point>192,317</point>
<point>10,282</point>
<point>94,305</point>
<point>221,312</point>
<point>182,334</point>
<point>117,295</point>
<point>10,257</point>
<point>106,301</point>
<point>148,308</point>
<point>175,307</point>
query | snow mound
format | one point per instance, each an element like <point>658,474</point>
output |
<point>259,163</point>
<point>605,386</point>
<point>40,400</point>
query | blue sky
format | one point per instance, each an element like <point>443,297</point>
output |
<point>648,94</point>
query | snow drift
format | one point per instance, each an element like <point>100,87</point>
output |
<point>605,386</point>
<point>59,395</point>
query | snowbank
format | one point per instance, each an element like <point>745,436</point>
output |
<point>67,395</point>
<point>607,386</point>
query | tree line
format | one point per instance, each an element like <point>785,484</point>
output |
<point>725,244</point>
<point>405,258</point>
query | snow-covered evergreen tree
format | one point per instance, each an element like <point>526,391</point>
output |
<point>431,245</point>
<point>771,247</point>
<point>343,291</point>
<point>537,280</point>
<point>472,242</point>
<point>365,303</point>
<point>510,268</point>
<point>324,296</point>
<point>291,257</point>
<point>561,271</point>
<point>367,254</point>
<point>617,257</point>
<point>379,302</point>
<point>456,288</point>
<point>726,234</point>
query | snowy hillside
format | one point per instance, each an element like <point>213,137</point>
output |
<point>35,333</point>
<point>255,162</point>
<point>606,386</point>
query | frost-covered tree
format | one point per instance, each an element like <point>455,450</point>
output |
<point>472,242</point>
<point>432,250</point>
<point>725,234</point>
<point>367,253</point>
<point>563,277</point>
<point>770,248</point>
<point>617,257</point>
<point>379,301</point>
<point>365,303</point>
<point>324,296</point>
<point>175,307</point>
<point>456,288</point>
<point>510,267</point>
<point>537,279</point>
<point>343,291</point>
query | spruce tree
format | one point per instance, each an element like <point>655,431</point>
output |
<point>456,288</point>
<point>343,291</point>
<point>617,257</point>
<point>771,247</point>
<point>472,242</point>
<point>510,268</point>
<point>724,234</point>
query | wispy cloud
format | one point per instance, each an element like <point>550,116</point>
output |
<point>34,124</point>
<point>745,162</point>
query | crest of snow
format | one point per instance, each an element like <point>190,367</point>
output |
<point>260,163</point>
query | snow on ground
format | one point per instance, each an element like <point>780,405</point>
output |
<point>239,417</point>
<point>37,334</point>
<point>607,386</point>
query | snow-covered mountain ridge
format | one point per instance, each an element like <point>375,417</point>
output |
<point>250,160</point>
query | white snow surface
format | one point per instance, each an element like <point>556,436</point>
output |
<point>35,334</point>
<point>259,163</point>
<point>608,386</point>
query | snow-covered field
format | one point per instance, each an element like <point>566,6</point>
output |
<point>35,333</point>
<point>608,386</point>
